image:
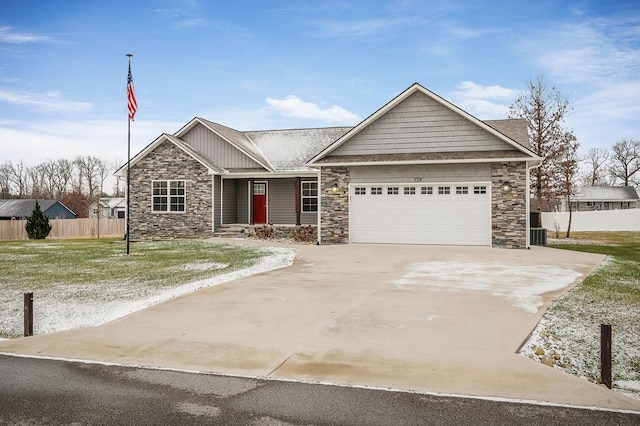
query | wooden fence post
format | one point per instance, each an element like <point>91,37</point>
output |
<point>28,314</point>
<point>605,354</point>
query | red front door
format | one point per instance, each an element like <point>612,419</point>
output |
<point>260,202</point>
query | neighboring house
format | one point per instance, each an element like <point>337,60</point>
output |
<point>108,207</point>
<point>419,170</point>
<point>589,198</point>
<point>21,209</point>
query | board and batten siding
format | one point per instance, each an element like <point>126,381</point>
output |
<point>217,149</point>
<point>217,201</point>
<point>420,124</point>
<point>229,201</point>
<point>242,201</point>
<point>478,172</point>
<point>282,201</point>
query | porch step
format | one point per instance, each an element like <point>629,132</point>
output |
<point>234,231</point>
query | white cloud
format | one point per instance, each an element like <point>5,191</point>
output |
<point>7,35</point>
<point>485,102</point>
<point>588,52</point>
<point>48,101</point>
<point>332,28</point>
<point>293,106</point>
<point>599,59</point>
<point>38,141</point>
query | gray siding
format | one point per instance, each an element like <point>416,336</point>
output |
<point>217,201</point>
<point>420,124</point>
<point>229,202</point>
<point>282,209</point>
<point>217,149</point>
<point>242,201</point>
<point>480,172</point>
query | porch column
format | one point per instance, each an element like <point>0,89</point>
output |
<point>297,198</point>
<point>251,201</point>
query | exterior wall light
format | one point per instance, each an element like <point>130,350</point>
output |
<point>334,188</point>
<point>506,186</point>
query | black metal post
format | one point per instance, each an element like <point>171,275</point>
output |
<point>128,230</point>
<point>28,314</point>
<point>605,354</point>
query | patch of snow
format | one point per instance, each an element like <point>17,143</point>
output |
<point>204,266</point>
<point>91,305</point>
<point>522,284</point>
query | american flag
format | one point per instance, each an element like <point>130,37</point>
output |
<point>132,104</point>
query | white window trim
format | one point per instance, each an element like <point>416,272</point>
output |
<point>302,196</point>
<point>168,197</point>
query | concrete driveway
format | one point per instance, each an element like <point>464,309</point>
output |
<point>423,318</point>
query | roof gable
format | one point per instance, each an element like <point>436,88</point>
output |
<point>193,153</point>
<point>210,144</point>
<point>419,121</point>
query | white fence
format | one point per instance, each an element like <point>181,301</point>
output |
<point>599,220</point>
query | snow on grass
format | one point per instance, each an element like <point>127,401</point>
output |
<point>524,285</point>
<point>62,307</point>
<point>569,332</point>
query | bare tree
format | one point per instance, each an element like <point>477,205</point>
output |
<point>5,180</point>
<point>595,173</point>
<point>566,164</point>
<point>49,176</point>
<point>118,190</point>
<point>19,178</point>
<point>88,173</point>
<point>544,109</point>
<point>64,170</point>
<point>625,161</point>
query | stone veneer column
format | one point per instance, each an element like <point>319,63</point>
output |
<point>509,208</point>
<point>334,215</point>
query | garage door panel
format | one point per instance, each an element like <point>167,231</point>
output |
<point>459,219</point>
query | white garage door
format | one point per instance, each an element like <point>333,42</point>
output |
<point>451,214</point>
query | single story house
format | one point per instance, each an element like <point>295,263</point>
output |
<point>22,208</point>
<point>419,170</point>
<point>108,207</point>
<point>588,198</point>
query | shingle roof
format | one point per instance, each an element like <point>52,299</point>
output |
<point>23,207</point>
<point>291,149</point>
<point>515,128</point>
<point>606,193</point>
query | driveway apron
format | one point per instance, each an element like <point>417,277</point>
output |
<point>420,318</point>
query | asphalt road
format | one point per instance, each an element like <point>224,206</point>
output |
<point>49,392</point>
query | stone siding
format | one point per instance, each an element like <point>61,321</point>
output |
<point>334,206</point>
<point>509,208</point>
<point>168,162</point>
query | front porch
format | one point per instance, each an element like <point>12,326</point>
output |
<point>259,201</point>
<point>299,233</point>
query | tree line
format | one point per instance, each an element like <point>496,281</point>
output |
<point>76,183</point>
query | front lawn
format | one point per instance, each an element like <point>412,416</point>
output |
<point>87,282</point>
<point>570,329</point>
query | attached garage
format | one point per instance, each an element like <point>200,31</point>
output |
<point>422,171</point>
<point>421,213</point>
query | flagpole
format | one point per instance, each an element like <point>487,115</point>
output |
<point>129,55</point>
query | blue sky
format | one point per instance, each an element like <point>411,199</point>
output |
<point>288,64</point>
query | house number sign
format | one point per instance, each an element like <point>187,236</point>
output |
<point>417,179</point>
